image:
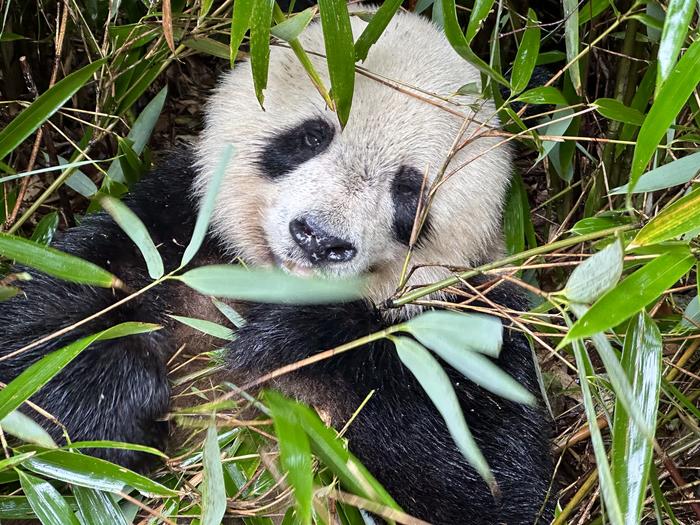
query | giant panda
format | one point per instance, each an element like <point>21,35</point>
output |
<point>306,196</point>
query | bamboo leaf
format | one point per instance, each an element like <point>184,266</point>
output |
<point>454,35</point>
<point>632,294</point>
<point>55,263</point>
<point>213,487</point>
<point>267,286</point>
<point>607,486</point>
<point>206,206</point>
<point>457,332</point>
<point>597,275</point>
<point>480,11</point>
<point>340,54</point>
<point>524,63</point>
<point>676,25</point>
<point>437,385</point>
<point>25,428</point>
<point>292,27</point>
<point>571,38</point>
<point>672,96</point>
<point>615,110</point>
<point>240,23</point>
<point>543,95</point>
<point>681,217</point>
<point>295,456</point>
<point>375,28</point>
<point>632,451</point>
<point>207,327</point>
<point>95,473</point>
<point>46,502</point>
<point>97,507</point>
<point>260,21</point>
<point>43,107</point>
<point>130,223</point>
<point>672,174</point>
<point>41,372</point>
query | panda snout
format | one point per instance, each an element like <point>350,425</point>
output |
<point>319,245</point>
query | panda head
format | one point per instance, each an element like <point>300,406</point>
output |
<point>307,196</point>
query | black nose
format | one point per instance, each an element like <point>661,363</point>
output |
<point>319,245</point>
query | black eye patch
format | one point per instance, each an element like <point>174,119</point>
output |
<point>286,150</point>
<point>405,192</point>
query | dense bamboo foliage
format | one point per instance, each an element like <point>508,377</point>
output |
<point>601,100</point>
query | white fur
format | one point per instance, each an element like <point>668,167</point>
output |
<point>348,185</point>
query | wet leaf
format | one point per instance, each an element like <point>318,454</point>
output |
<point>632,451</point>
<point>676,25</point>
<point>46,502</point>
<point>340,54</point>
<point>97,507</point>
<point>54,262</point>
<point>524,63</point>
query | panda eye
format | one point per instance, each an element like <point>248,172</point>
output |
<point>407,183</point>
<point>313,139</point>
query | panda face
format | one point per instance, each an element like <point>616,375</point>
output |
<point>306,196</point>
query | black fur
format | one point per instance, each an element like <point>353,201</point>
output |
<point>287,150</point>
<point>399,435</point>
<point>405,192</point>
<point>118,389</point>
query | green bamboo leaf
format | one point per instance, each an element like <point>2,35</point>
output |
<point>613,109</point>
<point>97,507</point>
<point>571,38</point>
<point>295,456</point>
<point>543,95</point>
<point>45,229</point>
<point>674,173</point>
<point>340,54</point>
<point>267,286</point>
<point>95,473</point>
<point>672,96</point>
<point>206,206</point>
<point>596,224</point>
<point>41,372</point>
<point>77,445</point>
<point>43,107</point>
<point>460,44</point>
<point>596,276</point>
<point>8,292</point>
<point>457,332</point>
<point>55,263</point>
<point>47,503</point>
<point>632,294</point>
<point>524,63</point>
<point>676,25</point>
<point>240,23</point>
<point>591,9</point>
<point>18,507</point>
<point>140,132</point>
<point>332,453</point>
<point>681,217</point>
<point>375,28</point>
<point>25,428</point>
<point>480,11</point>
<point>208,46</point>
<point>292,27</point>
<point>437,385</point>
<point>13,461</point>
<point>260,21</point>
<point>632,451</point>
<point>130,223</point>
<point>213,486</point>
<point>607,486</point>
<point>691,315</point>
<point>207,327</point>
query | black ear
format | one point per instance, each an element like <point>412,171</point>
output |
<point>297,5</point>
